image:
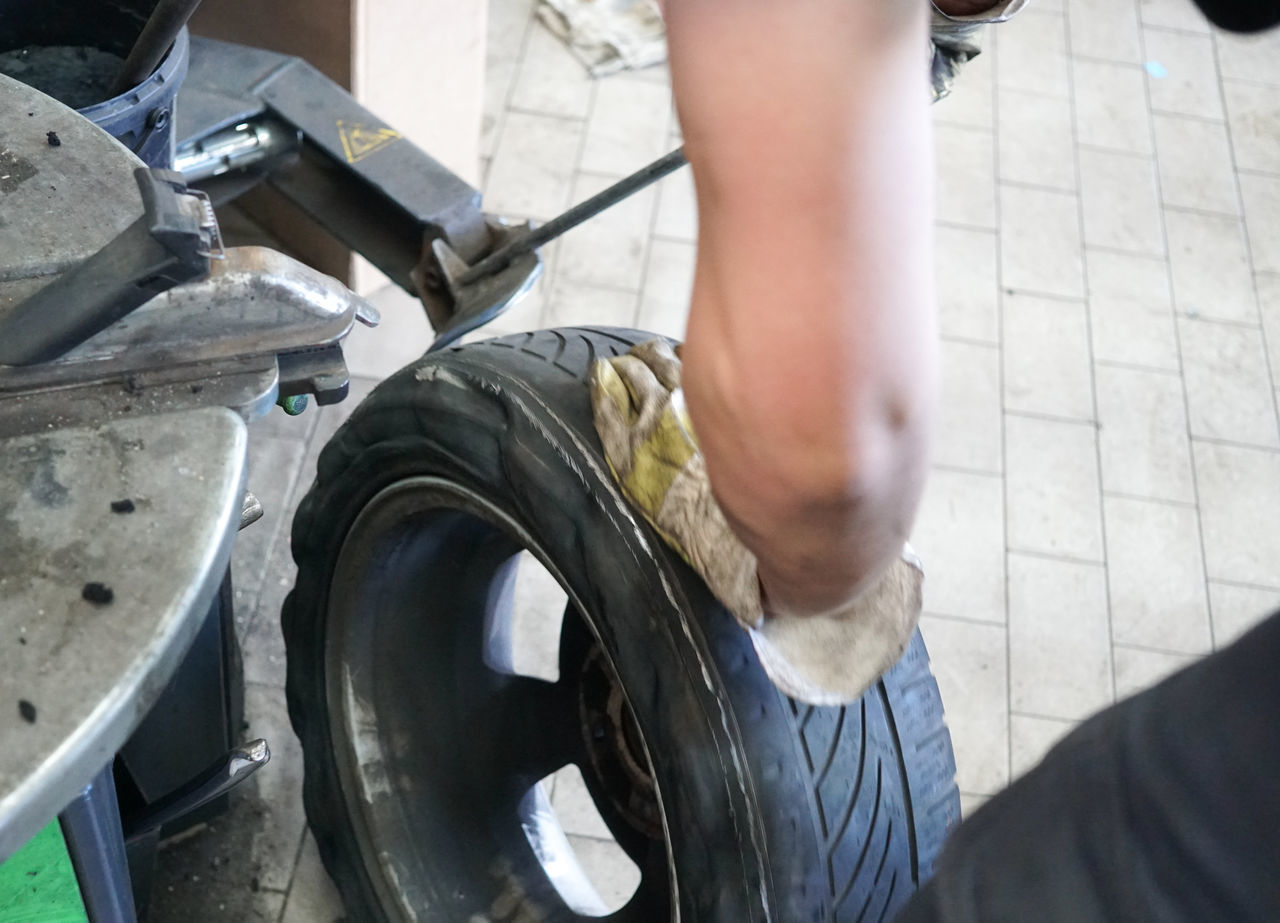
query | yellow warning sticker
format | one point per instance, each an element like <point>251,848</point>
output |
<point>359,142</point>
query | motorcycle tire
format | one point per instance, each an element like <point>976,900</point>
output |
<point>423,747</point>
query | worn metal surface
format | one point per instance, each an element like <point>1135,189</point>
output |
<point>91,826</point>
<point>357,177</point>
<point>58,205</point>
<point>255,302</point>
<point>93,669</point>
<point>170,244</point>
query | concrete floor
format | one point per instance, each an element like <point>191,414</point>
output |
<point>1105,504</point>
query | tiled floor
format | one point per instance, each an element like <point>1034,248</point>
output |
<point>1105,504</point>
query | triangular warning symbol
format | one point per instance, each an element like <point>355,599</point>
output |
<point>359,142</point>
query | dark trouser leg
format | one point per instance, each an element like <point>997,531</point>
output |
<point>1164,807</point>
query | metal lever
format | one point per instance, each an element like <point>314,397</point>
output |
<point>170,244</point>
<point>477,294</point>
<point>224,775</point>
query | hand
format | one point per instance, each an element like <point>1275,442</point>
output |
<point>651,449</point>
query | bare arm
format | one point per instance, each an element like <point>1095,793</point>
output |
<point>810,364</point>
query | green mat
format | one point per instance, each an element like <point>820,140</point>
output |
<point>38,883</point>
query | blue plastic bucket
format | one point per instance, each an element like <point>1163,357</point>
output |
<point>142,118</point>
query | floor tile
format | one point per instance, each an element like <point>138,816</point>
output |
<point>1211,276</point>
<point>263,646</point>
<point>1155,576</point>
<point>628,125</point>
<point>401,337</point>
<point>1142,435</point>
<point>1228,386</point>
<point>614,876</point>
<point>970,103</point>
<point>1236,609</point>
<point>1031,737</point>
<point>959,535</point>
<point>1052,474</point>
<point>677,216</point>
<point>1195,164</point>
<point>1104,29</point>
<point>274,463</point>
<point>537,613</point>
<point>1254,57</point>
<point>551,81</point>
<point>1239,509</point>
<point>1190,82</point>
<point>1121,204</point>
<point>1111,106</point>
<point>571,304</point>
<point>312,896</point>
<point>1269,304</point>
<point>1138,669</point>
<point>1172,14</point>
<point>1036,144</point>
<point>1059,648</point>
<point>574,806</point>
<point>668,283</point>
<point>1032,55</point>
<point>1261,196</point>
<point>968,425</point>
<point>281,819</point>
<point>525,314</point>
<point>966,278</point>
<point>966,186</point>
<point>610,248</point>
<point>970,803</point>
<point>1046,357</point>
<point>969,662</point>
<point>507,30</point>
<point>532,169</point>
<point>1253,112</point>
<point>1040,249</point>
<point>1131,310</point>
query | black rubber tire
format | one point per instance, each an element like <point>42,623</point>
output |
<point>773,810</point>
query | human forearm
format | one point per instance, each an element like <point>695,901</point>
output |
<point>811,339</point>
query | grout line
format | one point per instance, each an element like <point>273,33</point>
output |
<point>1117,152</point>
<point>1004,438</point>
<point>965,619</point>
<point>960,469</point>
<point>1234,444</point>
<point>1089,342</point>
<point>1160,501</point>
<point>543,114</point>
<point>1172,30</point>
<point>1051,418</point>
<point>1245,585</point>
<point>1046,296</point>
<point>1054,556</point>
<point>1040,717</point>
<point>1149,649</point>
<point>962,226</point>
<point>1136,367</point>
<point>1190,117</point>
<point>969,341</point>
<point>1202,212</point>
<point>1121,251</point>
<point>1041,187</point>
<point>1221,321</point>
<point>1116,62</point>
<point>293,871</point>
<point>654,207</point>
<point>1177,333</point>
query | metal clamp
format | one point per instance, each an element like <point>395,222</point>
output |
<point>171,243</point>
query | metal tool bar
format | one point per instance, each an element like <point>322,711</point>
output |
<point>500,259</point>
<point>163,26</point>
<point>91,826</point>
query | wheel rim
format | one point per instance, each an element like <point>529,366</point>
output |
<point>439,744</point>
